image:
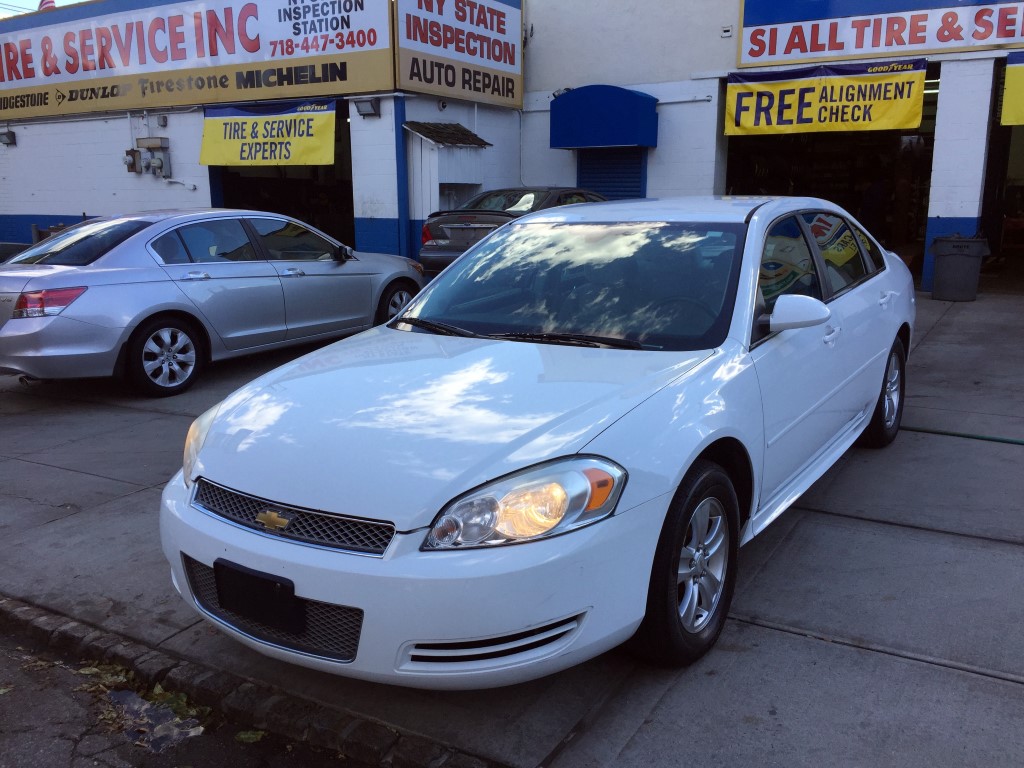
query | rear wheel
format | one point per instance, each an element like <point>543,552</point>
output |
<point>394,300</point>
<point>694,570</point>
<point>888,414</point>
<point>165,357</point>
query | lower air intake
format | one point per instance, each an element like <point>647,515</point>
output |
<point>495,647</point>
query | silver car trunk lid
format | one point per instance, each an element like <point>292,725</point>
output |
<point>16,278</point>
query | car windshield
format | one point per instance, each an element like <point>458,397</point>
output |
<point>508,200</point>
<point>81,244</point>
<point>652,285</point>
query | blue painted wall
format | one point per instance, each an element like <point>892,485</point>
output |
<point>17,228</point>
<point>377,235</point>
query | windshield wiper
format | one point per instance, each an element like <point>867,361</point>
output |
<point>579,339</point>
<point>437,327</point>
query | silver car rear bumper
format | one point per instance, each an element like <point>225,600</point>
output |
<point>58,348</point>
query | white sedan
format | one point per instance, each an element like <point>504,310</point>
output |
<point>558,447</point>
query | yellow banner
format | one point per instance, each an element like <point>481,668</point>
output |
<point>301,135</point>
<point>1013,91</point>
<point>868,97</point>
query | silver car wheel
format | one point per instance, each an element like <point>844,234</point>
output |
<point>702,565</point>
<point>169,357</point>
<point>397,302</point>
<point>891,393</point>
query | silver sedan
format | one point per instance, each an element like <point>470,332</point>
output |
<point>155,296</point>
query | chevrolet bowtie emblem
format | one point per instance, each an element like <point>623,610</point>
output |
<point>269,518</point>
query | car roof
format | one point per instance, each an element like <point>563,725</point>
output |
<point>697,208</point>
<point>185,213</point>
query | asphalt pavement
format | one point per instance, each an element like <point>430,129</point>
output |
<point>875,623</point>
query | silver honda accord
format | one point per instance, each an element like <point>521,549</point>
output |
<point>155,296</point>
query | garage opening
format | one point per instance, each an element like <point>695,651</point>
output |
<point>882,177</point>
<point>318,194</point>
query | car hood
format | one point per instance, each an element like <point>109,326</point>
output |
<point>391,425</point>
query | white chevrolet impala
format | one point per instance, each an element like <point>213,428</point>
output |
<point>558,447</point>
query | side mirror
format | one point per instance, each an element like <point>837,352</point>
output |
<point>344,253</point>
<point>795,311</point>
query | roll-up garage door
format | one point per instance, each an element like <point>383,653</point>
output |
<point>615,172</point>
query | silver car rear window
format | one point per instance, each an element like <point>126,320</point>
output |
<point>81,244</point>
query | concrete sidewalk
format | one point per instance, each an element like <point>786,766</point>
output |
<point>874,624</point>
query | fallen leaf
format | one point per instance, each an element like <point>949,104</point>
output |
<point>249,737</point>
<point>6,690</point>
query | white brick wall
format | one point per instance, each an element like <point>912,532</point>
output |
<point>961,138</point>
<point>495,166</point>
<point>67,167</point>
<point>374,166</point>
<point>689,141</point>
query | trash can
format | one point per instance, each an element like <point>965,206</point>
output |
<point>957,267</point>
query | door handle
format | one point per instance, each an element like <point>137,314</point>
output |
<point>832,335</point>
<point>886,298</point>
<point>293,272</point>
<point>196,276</point>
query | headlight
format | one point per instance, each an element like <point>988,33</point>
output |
<point>536,503</point>
<point>194,442</point>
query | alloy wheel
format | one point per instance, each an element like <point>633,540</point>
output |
<point>702,565</point>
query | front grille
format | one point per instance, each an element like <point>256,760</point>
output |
<point>495,647</point>
<point>332,631</point>
<point>306,525</point>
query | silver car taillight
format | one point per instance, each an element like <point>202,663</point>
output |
<point>45,303</point>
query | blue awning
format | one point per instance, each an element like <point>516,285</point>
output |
<point>603,116</point>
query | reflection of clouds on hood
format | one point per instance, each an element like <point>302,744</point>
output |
<point>454,406</point>
<point>254,417</point>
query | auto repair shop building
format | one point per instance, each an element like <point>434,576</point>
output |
<point>903,111</point>
<point>335,111</point>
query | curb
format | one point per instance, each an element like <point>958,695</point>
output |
<point>238,699</point>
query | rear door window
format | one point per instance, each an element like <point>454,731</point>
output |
<point>170,249</point>
<point>216,241</point>
<point>875,261</point>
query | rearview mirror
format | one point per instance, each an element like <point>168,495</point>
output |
<point>795,311</point>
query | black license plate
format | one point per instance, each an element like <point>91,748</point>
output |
<point>260,597</point>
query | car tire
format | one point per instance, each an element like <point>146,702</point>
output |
<point>394,299</point>
<point>888,413</point>
<point>694,570</point>
<point>165,356</point>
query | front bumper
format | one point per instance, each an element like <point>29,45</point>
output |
<point>469,619</point>
<point>58,348</point>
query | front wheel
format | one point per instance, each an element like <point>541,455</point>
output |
<point>165,357</point>
<point>694,570</point>
<point>394,300</point>
<point>888,414</point>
